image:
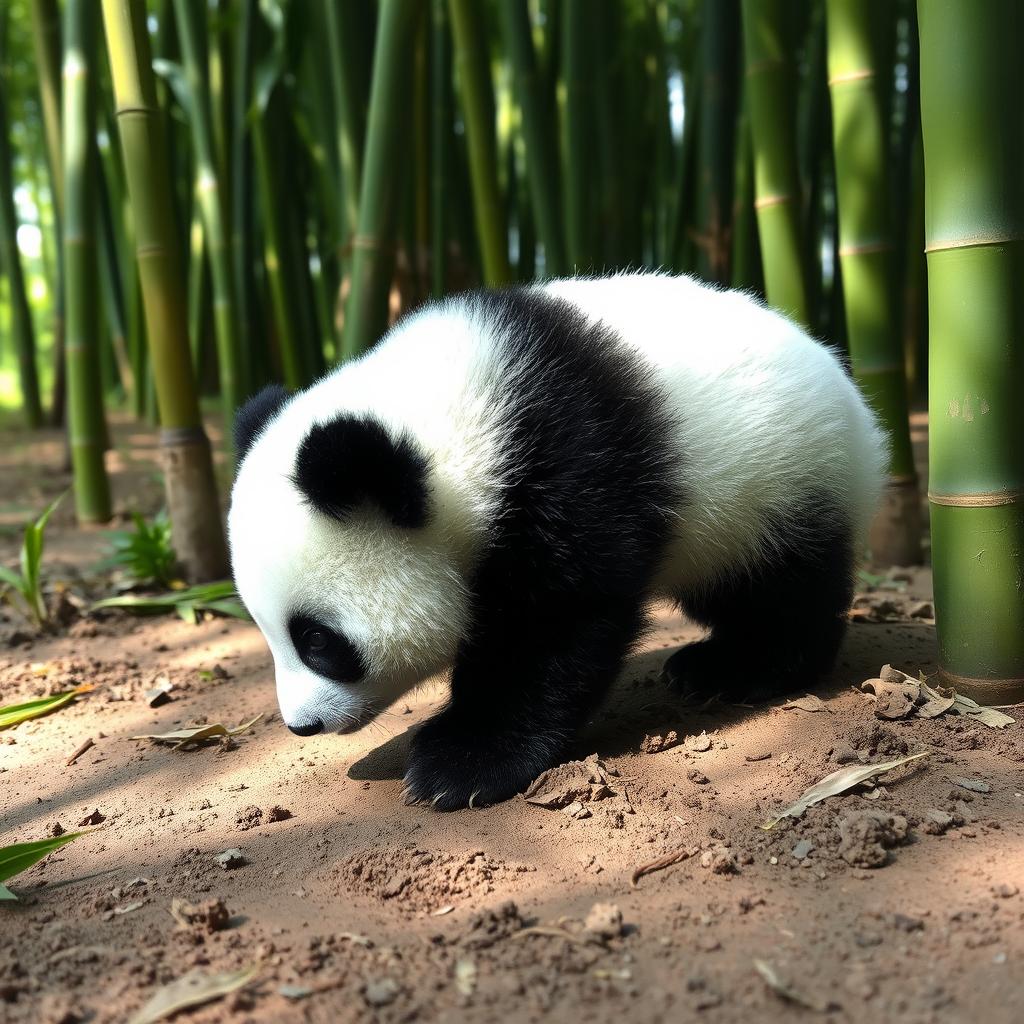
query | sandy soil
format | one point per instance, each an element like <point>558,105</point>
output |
<point>355,907</point>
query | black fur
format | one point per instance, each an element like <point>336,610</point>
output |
<point>351,459</point>
<point>325,651</point>
<point>559,594</point>
<point>778,627</point>
<point>253,416</point>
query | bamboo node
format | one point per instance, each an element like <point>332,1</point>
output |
<point>764,202</point>
<point>978,241</point>
<point>860,75</point>
<point>991,499</point>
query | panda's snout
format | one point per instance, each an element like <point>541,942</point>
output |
<point>310,729</point>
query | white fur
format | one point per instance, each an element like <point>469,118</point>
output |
<point>764,415</point>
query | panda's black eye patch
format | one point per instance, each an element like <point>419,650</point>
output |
<point>325,651</point>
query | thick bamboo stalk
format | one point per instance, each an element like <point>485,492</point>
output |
<point>85,397</point>
<point>476,91</point>
<point>972,79</point>
<point>538,136</point>
<point>865,254</point>
<point>10,260</point>
<point>212,206</point>
<point>387,131</point>
<point>771,102</point>
<point>715,148</point>
<point>192,502</point>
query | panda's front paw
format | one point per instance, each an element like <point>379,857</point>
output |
<point>455,764</point>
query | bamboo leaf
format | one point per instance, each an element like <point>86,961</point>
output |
<point>174,75</point>
<point>19,857</point>
<point>14,714</point>
<point>836,783</point>
<point>12,579</point>
<point>197,733</point>
<point>191,989</point>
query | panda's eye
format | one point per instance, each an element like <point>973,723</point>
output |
<point>316,639</point>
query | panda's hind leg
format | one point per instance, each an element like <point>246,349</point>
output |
<point>777,626</point>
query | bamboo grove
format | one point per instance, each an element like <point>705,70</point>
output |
<point>228,192</point>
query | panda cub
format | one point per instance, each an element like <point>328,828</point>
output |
<point>504,482</point>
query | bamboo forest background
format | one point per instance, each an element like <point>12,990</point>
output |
<point>516,140</point>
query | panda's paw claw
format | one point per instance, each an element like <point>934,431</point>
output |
<point>450,769</point>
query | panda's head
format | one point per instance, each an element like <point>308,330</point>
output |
<point>340,554</point>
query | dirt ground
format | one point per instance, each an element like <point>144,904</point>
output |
<point>355,907</point>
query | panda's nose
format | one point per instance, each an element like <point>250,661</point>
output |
<point>309,729</point>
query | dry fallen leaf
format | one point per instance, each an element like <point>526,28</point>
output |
<point>899,695</point>
<point>838,782</point>
<point>192,989</point>
<point>808,703</point>
<point>197,733</point>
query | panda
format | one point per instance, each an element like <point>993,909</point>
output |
<point>501,486</point>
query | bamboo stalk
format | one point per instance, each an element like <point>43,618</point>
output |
<point>387,129</point>
<point>242,258</point>
<point>745,259</point>
<point>192,502</point>
<point>212,206</point>
<point>10,259</point>
<point>349,83</point>
<point>440,143</point>
<point>972,79</point>
<point>477,95</point>
<point>85,398</point>
<point>46,48</point>
<point>715,147</point>
<point>270,180</point>
<point>770,98</point>
<point>541,162</point>
<point>577,134</point>
<point>865,255</point>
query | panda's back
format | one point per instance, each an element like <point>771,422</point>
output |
<point>754,419</point>
<point>768,419</point>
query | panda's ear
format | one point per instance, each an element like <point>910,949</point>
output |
<point>353,459</point>
<point>254,415</point>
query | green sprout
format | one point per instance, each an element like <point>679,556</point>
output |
<point>27,582</point>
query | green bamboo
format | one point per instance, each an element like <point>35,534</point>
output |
<point>192,502</point>
<point>745,259</point>
<point>283,298</point>
<point>348,81</point>
<point>366,314</point>
<point>440,143</point>
<point>250,352</point>
<point>715,152</point>
<point>577,133</point>
<point>46,49</point>
<point>866,259</point>
<point>771,101</point>
<point>85,399</point>
<point>477,95</point>
<point>972,79</point>
<point>213,207</point>
<point>541,159</point>
<point>10,259</point>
